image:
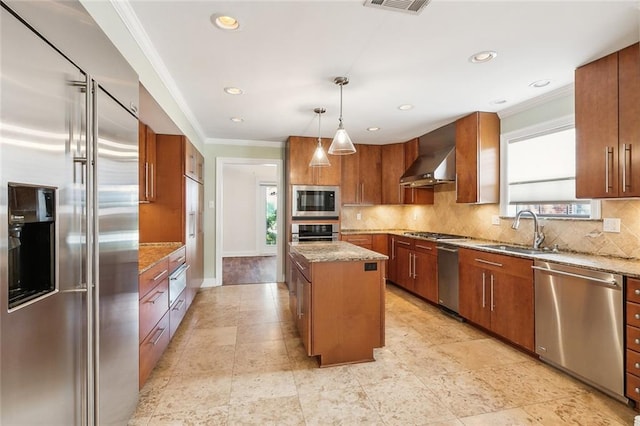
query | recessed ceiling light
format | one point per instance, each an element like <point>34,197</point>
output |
<point>405,107</point>
<point>233,91</point>
<point>540,83</point>
<point>499,101</point>
<point>373,129</point>
<point>225,22</point>
<point>236,119</point>
<point>484,56</point>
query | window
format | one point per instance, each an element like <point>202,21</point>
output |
<point>540,173</point>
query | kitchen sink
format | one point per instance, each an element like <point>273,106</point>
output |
<point>513,249</point>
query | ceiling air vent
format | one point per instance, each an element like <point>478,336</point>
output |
<point>409,6</point>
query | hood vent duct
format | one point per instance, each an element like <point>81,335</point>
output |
<point>436,162</point>
<point>409,6</point>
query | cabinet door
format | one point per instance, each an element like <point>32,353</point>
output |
<point>404,265</point>
<point>150,154</point>
<point>303,305</point>
<point>350,186</point>
<point>478,158</point>
<point>629,120</point>
<point>596,116</point>
<point>474,294</point>
<point>392,274</point>
<point>392,170</point>
<point>512,312</point>
<point>361,240</point>
<point>300,151</point>
<point>370,174</point>
<point>426,272</point>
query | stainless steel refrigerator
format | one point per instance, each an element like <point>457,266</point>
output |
<point>68,239</point>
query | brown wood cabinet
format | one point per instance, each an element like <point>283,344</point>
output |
<point>147,163</point>
<point>478,158</point>
<point>375,242</point>
<point>414,263</point>
<point>607,107</point>
<point>633,339</point>
<point>393,167</point>
<point>299,152</point>
<point>177,213</point>
<point>193,163</point>
<point>496,293</point>
<point>414,195</point>
<point>339,309</point>
<point>361,176</point>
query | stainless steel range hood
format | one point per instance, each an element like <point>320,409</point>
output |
<point>436,162</point>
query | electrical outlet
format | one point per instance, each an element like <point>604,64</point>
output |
<point>212,204</point>
<point>611,224</point>
<point>495,219</point>
<point>358,216</point>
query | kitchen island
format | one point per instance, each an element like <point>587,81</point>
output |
<point>336,294</point>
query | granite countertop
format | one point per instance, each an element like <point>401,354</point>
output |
<point>151,253</point>
<point>617,265</point>
<point>372,231</point>
<point>335,251</point>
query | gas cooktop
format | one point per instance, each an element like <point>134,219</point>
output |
<point>435,235</point>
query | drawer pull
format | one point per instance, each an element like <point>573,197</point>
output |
<point>159,332</point>
<point>157,277</point>
<point>486,262</point>
<point>155,299</point>
<point>178,305</point>
<point>180,259</point>
<point>637,390</point>
<point>424,247</point>
<point>637,341</point>
<point>404,243</point>
<point>636,365</point>
<point>637,316</point>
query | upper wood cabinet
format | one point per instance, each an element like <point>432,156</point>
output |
<point>393,168</point>
<point>147,163</point>
<point>414,195</point>
<point>193,162</point>
<point>361,177</point>
<point>607,111</point>
<point>478,158</point>
<point>299,153</point>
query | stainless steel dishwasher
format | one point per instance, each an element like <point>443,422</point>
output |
<point>448,276</point>
<point>579,324</point>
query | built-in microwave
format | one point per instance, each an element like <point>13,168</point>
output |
<point>315,202</point>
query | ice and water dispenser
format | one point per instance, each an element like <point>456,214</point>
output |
<point>31,262</point>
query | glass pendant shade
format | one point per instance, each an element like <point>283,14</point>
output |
<point>341,144</point>
<point>319,158</point>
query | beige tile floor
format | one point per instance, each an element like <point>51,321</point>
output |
<point>237,360</point>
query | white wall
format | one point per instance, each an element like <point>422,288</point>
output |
<point>240,207</point>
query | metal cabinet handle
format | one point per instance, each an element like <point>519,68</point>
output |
<point>159,332</point>
<point>178,305</point>
<point>393,248</point>
<point>626,150</point>
<point>153,184</point>
<point>410,265</point>
<point>414,266</point>
<point>486,262</point>
<point>146,180</point>
<point>157,277</point>
<point>608,157</point>
<point>155,299</point>
<point>636,365</point>
<point>424,247</point>
<point>404,243</point>
<point>637,341</point>
<point>483,290</point>
<point>637,316</point>
<point>637,390</point>
<point>492,304</point>
<point>637,291</point>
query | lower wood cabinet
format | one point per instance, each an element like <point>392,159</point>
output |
<point>413,265</point>
<point>632,329</point>
<point>152,348</point>
<point>497,293</point>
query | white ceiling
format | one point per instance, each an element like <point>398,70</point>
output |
<point>286,54</point>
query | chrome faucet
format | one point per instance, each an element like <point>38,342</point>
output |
<point>538,236</point>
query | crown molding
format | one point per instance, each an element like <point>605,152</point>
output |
<point>561,92</point>
<point>134,26</point>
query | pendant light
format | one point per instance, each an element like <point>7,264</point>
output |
<point>319,158</point>
<point>341,144</point>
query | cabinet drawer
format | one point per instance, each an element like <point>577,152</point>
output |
<point>152,307</point>
<point>633,290</point>
<point>633,314</point>
<point>152,347</point>
<point>633,338</point>
<point>177,312</point>
<point>633,387</point>
<point>497,262</point>
<point>428,247</point>
<point>177,258</point>
<point>152,277</point>
<point>633,362</point>
<point>362,240</point>
<point>302,264</point>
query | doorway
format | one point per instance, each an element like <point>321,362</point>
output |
<point>248,246</point>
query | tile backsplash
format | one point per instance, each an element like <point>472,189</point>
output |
<point>445,215</point>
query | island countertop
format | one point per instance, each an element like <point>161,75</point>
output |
<point>334,251</point>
